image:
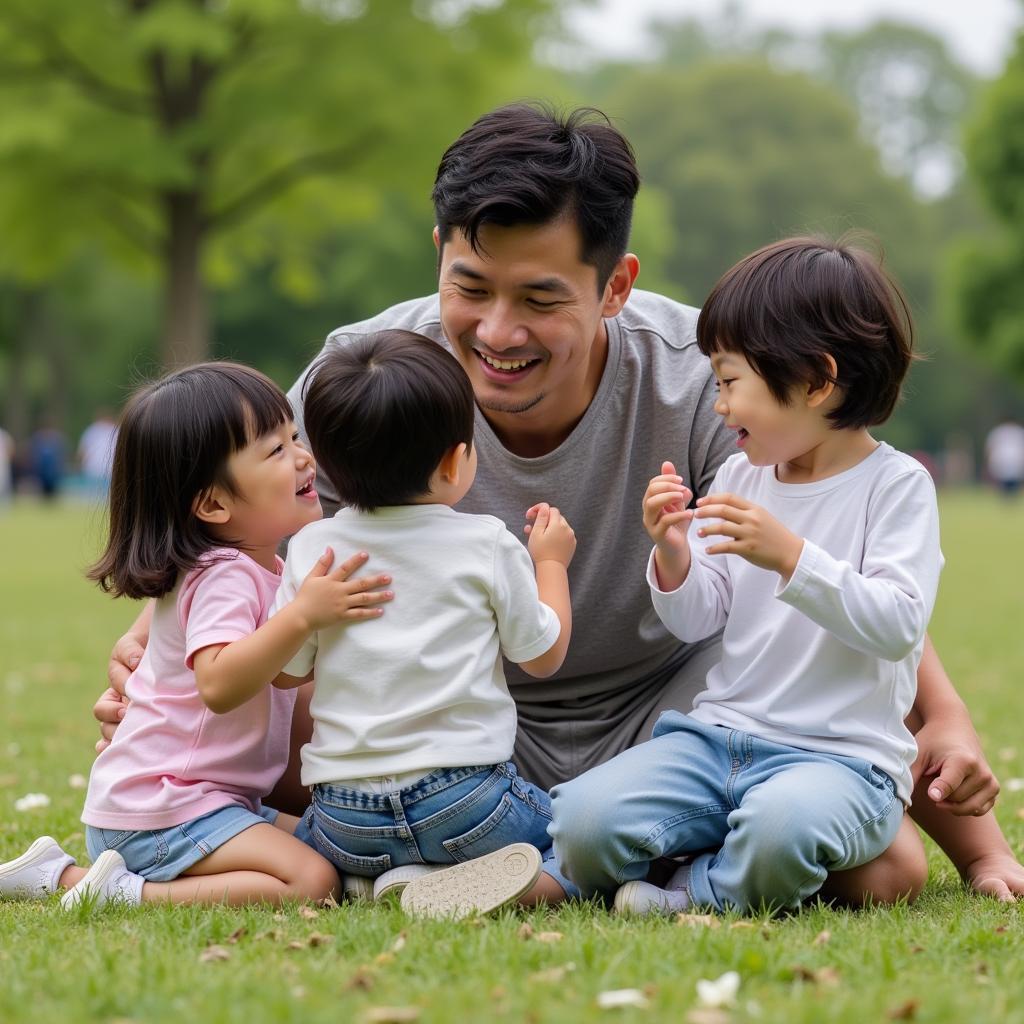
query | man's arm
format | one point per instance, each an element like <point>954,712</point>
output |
<point>124,659</point>
<point>956,789</point>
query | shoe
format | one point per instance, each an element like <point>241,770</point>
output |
<point>393,882</point>
<point>479,886</point>
<point>357,887</point>
<point>106,881</point>
<point>641,898</point>
<point>36,873</point>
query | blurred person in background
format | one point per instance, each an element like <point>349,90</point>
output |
<point>96,451</point>
<point>48,453</point>
<point>1004,456</point>
<point>6,466</point>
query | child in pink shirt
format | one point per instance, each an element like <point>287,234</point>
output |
<point>209,476</point>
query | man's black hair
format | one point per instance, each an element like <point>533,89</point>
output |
<point>526,164</point>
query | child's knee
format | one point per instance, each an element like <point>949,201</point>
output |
<point>316,879</point>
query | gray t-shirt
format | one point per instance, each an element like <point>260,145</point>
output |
<point>655,402</point>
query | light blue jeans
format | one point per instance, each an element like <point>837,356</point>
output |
<point>771,820</point>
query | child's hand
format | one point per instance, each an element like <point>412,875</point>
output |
<point>665,519</point>
<point>327,597</point>
<point>750,532</point>
<point>551,537</point>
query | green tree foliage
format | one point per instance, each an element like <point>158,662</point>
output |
<point>985,275</point>
<point>199,138</point>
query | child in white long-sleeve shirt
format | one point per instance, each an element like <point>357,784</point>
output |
<point>817,550</point>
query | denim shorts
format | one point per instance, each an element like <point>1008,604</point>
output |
<point>446,817</point>
<point>164,854</point>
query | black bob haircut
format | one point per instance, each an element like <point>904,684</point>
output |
<point>525,164</point>
<point>380,412</point>
<point>173,444</point>
<point>789,305</point>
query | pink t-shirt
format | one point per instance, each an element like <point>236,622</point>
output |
<point>172,759</point>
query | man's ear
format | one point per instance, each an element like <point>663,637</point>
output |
<point>450,466</point>
<point>817,395</point>
<point>437,239</point>
<point>619,285</point>
<point>211,507</point>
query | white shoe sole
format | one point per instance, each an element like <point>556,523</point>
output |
<point>93,885</point>
<point>640,899</point>
<point>393,882</point>
<point>477,887</point>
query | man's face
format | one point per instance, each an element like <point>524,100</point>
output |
<point>524,317</point>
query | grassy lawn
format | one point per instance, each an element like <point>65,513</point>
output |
<point>950,957</point>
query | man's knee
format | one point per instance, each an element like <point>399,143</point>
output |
<point>900,873</point>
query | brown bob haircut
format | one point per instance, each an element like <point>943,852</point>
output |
<point>789,305</point>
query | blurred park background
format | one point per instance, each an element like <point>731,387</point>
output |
<point>234,178</point>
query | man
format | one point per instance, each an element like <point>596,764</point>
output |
<point>583,387</point>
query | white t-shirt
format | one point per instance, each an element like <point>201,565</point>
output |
<point>827,662</point>
<point>421,687</point>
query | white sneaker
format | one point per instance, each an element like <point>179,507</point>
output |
<point>36,873</point>
<point>393,882</point>
<point>106,881</point>
<point>479,886</point>
<point>642,898</point>
<point>357,887</point>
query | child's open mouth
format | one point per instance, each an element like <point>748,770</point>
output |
<point>307,490</point>
<point>741,437</point>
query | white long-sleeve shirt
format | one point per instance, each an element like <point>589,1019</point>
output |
<point>828,661</point>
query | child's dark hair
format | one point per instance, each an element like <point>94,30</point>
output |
<point>173,445</point>
<point>380,412</point>
<point>789,305</point>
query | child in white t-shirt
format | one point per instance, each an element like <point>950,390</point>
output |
<point>209,477</point>
<point>817,549</point>
<point>413,724</point>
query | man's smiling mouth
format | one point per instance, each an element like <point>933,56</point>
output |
<point>508,365</point>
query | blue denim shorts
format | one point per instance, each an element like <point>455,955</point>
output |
<point>164,854</point>
<point>449,816</point>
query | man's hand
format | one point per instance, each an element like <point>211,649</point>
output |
<point>110,708</point>
<point>551,537</point>
<point>949,750</point>
<point>752,533</point>
<point>665,519</point>
<point>329,596</point>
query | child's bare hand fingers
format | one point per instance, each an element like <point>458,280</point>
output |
<point>349,566</point>
<point>730,548</point>
<point>724,499</point>
<point>357,614</point>
<point>727,512</point>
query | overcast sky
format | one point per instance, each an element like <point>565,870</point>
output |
<point>980,32</point>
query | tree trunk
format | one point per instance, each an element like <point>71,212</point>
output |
<point>186,320</point>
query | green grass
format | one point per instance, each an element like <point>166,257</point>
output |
<point>950,957</point>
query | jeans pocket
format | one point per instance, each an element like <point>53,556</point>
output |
<point>511,821</point>
<point>350,847</point>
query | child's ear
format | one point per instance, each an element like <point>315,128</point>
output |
<point>817,395</point>
<point>210,507</point>
<point>451,463</point>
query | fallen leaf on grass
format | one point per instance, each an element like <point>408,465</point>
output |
<point>552,974</point>
<point>391,1014</point>
<point>699,920</point>
<point>736,925</point>
<point>213,954</point>
<point>525,930</point>
<point>548,937</point>
<point>823,976</point>
<point>399,943</point>
<point>77,781</point>
<point>295,944</point>
<point>822,938</point>
<point>362,979</point>
<point>308,912</point>
<point>720,992</point>
<point>707,1015</point>
<point>236,935</point>
<point>319,939</point>
<point>383,959</point>
<point>907,1011</point>
<point>1014,785</point>
<point>617,999</point>
<point>274,934</point>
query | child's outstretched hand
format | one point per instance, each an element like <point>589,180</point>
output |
<point>665,519</point>
<point>750,532</point>
<point>551,536</point>
<point>328,596</point>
